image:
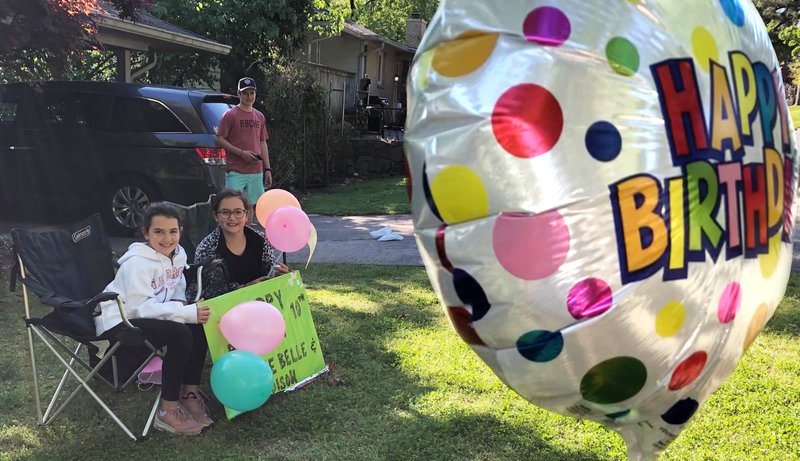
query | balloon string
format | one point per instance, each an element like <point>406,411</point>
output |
<point>275,266</point>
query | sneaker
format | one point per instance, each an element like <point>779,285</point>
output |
<point>196,407</point>
<point>177,421</point>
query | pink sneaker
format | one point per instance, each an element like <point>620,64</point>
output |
<point>196,407</point>
<point>177,421</point>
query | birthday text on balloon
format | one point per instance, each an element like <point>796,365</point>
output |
<point>717,200</point>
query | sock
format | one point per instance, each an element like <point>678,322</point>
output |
<point>189,395</point>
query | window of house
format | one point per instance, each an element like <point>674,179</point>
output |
<point>380,68</point>
<point>135,115</point>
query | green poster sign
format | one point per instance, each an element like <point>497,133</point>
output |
<point>299,356</point>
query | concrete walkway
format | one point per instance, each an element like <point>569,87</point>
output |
<point>346,240</point>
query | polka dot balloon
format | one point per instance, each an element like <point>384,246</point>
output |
<point>603,197</point>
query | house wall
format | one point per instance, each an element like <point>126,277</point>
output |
<point>392,65</point>
<point>339,53</point>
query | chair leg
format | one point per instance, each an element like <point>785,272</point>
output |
<point>59,387</point>
<point>87,387</point>
<point>35,377</point>
<point>152,414</point>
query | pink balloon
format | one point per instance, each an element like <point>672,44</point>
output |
<point>288,228</point>
<point>253,326</point>
<point>271,200</point>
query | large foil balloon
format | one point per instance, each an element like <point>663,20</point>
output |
<point>603,196</point>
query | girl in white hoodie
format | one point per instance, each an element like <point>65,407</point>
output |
<point>152,287</point>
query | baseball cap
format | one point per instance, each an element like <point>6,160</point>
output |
<point>246,82</point>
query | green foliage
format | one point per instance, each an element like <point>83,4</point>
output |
<point>46,39</point>
<point>294,103</point>
<point>370,197</point>
<point>258,30</point>
<point>779,15</point>
<point>790,36</point>
<point>388,17</point>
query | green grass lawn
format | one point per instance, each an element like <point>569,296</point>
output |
<point>795,113</point>
<point>405,387</point>
<point>370,197</point>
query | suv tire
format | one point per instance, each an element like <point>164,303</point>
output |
<point>124,203</point>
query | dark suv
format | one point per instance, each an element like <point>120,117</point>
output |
<point>68,149</point>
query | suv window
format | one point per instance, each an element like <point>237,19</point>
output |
<point>135,115</point>
<point>212,113</point>
<point>73,110</point>
<point>8,109</point>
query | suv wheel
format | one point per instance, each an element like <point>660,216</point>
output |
<point>125,203</point>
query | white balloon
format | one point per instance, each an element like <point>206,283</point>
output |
<point>603,197</point>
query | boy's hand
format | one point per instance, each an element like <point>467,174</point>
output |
<point>203,313</point>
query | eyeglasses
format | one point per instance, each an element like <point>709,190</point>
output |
<point>237,213</point>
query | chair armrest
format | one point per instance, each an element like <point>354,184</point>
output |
<point>195,271</point>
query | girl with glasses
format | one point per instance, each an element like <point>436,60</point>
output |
<point>245,252</point>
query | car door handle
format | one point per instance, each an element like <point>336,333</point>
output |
<point>20,148</point>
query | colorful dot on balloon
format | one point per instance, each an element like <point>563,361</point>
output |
<point>769,262</point>
<point>603,141</point>
<point>670,318</point>
<point>733,9</point>
<point>729,302</point>
<point>704,48</point>
<point>681,412</point>
<point>462,323</point>
<point>440,248</point>
<point>470,292</point>
<point>756,324</point>
<point>614,380</point>
<point>527,120</point>
<point>589,298</point>
<point>688,371</point>
<point>547,26</point>
<point>531,247</point>
<point>460,194</point>
<point>423,69</point>
<point>426,189</point>
<point>622,56</point>
<point>465,54</point>
<point>540,346</point>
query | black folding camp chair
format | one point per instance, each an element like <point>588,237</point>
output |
<point>197,223</point>
<point>67,269</point>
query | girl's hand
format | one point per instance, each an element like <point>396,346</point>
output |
<point>281,269</point>
<point>203,313</point>
<point>258,280</point>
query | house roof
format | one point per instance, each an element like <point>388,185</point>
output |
<point>359,31</point>
<point>149,33</point>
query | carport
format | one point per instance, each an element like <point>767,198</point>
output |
<point>148,34</point>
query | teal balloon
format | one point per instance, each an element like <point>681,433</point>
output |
<point>241,380</point>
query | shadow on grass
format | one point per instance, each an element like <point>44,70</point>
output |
<point>366,410</point>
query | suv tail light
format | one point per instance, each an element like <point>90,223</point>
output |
<point>212,155</point>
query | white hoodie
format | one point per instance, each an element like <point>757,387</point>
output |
<point>150,286</point>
